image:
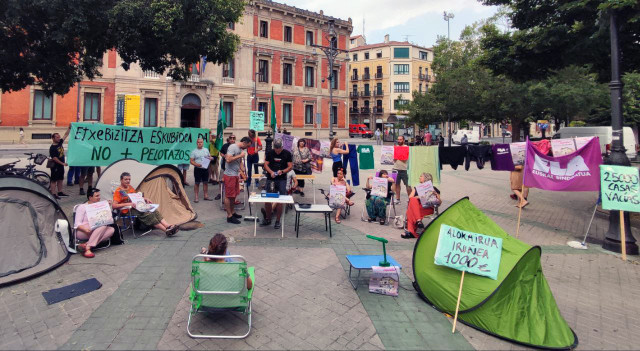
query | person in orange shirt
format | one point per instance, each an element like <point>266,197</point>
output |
<point>151,219</point>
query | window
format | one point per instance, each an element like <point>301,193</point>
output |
<point>308,114</point>
<point>228,69</point>
<point>366,90</point>
<point>231,25</point>
<point>379,72</point>
<point>401,87</point>
<point>379,54</point>
<point>355,57</point>
<point>91,106</point>
<point>42,106</point>
<point>424,55</point>
<point>287,74</point>
<point>227,107</point>
<point>334,79</point>
<point>309,37</point>
<point>400,52</point>
<point>401,69</point>
<point>334,114</point>
<point>264,29</point>
<point>352,41</point>
<point>379,105</point>
<point>286,113</point>
<point>264,107</point>
<point>419,88</point>
<point>379,89</point>
<point>308,76</point>
<point>355,89</point>
<point>150,112</point>
<point>288,34</point>
<point>263,69</point>
<point>355,74</point>
<point>397,103</point>
<point>354,104</point>
<point>366,55</point>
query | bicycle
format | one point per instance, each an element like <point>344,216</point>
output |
<point>8,168</point>
<point>30,171</point>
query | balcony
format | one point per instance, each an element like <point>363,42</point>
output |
<point>424,77</point>
<point>354,94</point>
<point>354,77</point>
<point>365,110</point>
<point>366,76</point>
<point>379,75</point>
<point>354,111</point>
<point>378,110</point>
<point>366,93</point>
<point>227,80</point>
<point>194,78</point>
<point>150,74</point>
<point>378,93</point>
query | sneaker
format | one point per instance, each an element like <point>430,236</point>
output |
<point>277,225</point>
<point>301,193</point>
<point>265,223</point>
<point>370,220</point>
<point>264,213</point>
<point>172,230</point>
<point>217,197</point>
<point>382,221</point>
<point>396,202</point>
<point>61,194</point>
<point>235,215</point>
<point>233,220</point>
<point>56,197</point>
<point>82,191</point>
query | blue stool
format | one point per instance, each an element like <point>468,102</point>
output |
<point>361,262</point>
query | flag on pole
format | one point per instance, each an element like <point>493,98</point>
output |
<point>274,123</point>
<point>222,124</point>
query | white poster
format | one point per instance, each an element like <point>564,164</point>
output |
<point>561,147</point>
<point>99,214</point>
<point>384,280</point>
<point>386,157</point>
<point>325,146</point>
<point>582,141</point>
<point>518,151</point>
<point>379,186</point>
<point>337,196</point>
<point>427,194</point>
<point>141,204</point>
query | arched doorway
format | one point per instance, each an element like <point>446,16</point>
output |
<point>190,111</point>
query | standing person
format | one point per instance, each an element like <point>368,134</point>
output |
<point>301,165</point>
<point>464,140</point>
<point>223,151</point>
<point>252,154</point>
<point>21,141</point>
<point>56,152</point>
<point>337,150</point>
<point>400,167</point>
<point>200,174</point>
<point>83,229</point>
<point>231,178</point>
<point>86,174</point>
<point>377,135</point>
<point>184,167</point>
<point>517,187</point>
<point>73,175</point>
<point>277,162</point>
<point>427,138</point>
<point>213,165</point>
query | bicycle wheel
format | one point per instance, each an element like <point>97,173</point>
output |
<point>42,178</point>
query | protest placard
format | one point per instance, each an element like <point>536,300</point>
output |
<point>141,204</point>
<point>427,194</point>
<point>561,147</point>
<point>379,186</point>
<point>256,120</point>
<point>99,214</point>
<point>325,146</point>
<point>518,151</point>
<point>386,155</point>
<point>337,196</point>
<point>384,280</point>
<point>582,141</point>
<point>95,144</point>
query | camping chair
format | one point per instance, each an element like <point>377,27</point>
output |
<point>219,287</point>
<point>392,202</point>
<point>431,217</point>
<point>77,241</point>
<point>131,225</point>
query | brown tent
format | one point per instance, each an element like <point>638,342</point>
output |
<point>30,244</point>
<point>160,184</point>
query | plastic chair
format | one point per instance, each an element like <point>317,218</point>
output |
<point>220,287</point>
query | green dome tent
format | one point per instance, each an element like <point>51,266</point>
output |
<point>518,306</point>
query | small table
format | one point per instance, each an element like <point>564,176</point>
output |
<point>283,199</point>
<point>310,177</point>
<point>361,262</point>
<point>325,209</point>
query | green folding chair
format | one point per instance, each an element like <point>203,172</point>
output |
<point>220,287</point>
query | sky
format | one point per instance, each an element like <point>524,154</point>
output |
<point>421,20</point>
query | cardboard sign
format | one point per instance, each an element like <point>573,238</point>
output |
<point>561,147</point>
<point>141,204</point>
<point>325,148</point>
<point>384,280</point>
<point>99,214</point>
<point>582,141</point>
<point>337,196</point>
<point>256,120</point>
<point>386,157</point>
<point>427,194</point>
<point>518,151</point>
<point>379,186</point>
<point>469,252</point>
<point>619,187</point>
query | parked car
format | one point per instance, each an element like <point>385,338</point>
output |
<point>472,138</point>
<point>360,130</point>
<point>604,134</point>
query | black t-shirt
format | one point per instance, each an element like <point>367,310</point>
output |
<point>223,152</point>
<point>57,150</point>
<point>279,162</point>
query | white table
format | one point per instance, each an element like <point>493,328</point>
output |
<point>283,199</point>
<point>324,209</point>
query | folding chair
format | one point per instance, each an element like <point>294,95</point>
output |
<point>347,209</point>
<point>391,204</point>
<point>76,241</point>
<point>131,218</point>
<point>220,287</point>
<point>431,217</point>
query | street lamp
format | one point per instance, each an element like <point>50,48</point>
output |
<point>448,17</point>
<point>331,52</point>
<point>166,99</point>
<point>618,156</point>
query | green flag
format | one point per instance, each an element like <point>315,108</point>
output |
<point>274,123</point>
<point>222,124</point>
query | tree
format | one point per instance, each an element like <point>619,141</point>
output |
<point>57,43</point>
<point>552,34</point>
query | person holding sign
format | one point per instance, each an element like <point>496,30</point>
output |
<point>83,223</point>
<point>376,203</point>
<point>200,159</point>
<point>422,200</point>
<point>341,181</point>
<point>122,202</point>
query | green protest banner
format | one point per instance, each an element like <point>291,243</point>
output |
<point>101,144</point>
<point>256,119</point>
<point>469,252</point>
<point>619,188</point>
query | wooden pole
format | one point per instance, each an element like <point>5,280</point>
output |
<point>623,241</point>
<point>519,204</point>
<point>455,318</point>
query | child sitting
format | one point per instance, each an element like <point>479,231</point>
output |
<point>218,247</point>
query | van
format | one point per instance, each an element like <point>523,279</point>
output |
<point>472,137</point>
<point>604,133</point>
<point>360,130</point>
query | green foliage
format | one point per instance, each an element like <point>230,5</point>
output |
<point>57,43</point>
<point>577,124</point>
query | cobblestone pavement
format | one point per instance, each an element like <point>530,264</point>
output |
<point>303,299</point>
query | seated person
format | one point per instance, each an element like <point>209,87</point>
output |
<point>415,211</point>
<point>151,219</point>
<point>376,205</point>
<point>84,232</point>
<point>340,180</point>
<point>292,182</point>
<point>277,163</point>
<point>218,246</point>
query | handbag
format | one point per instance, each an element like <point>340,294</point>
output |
<point>50,163</point>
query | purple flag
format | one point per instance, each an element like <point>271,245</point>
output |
<point>578,171</point>
<point>501,159</point>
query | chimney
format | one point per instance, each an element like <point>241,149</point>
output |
<point>386,38</point>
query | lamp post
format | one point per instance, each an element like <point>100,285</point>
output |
<point>448,17</point>
<point>331,52</point>
<point>166,99</point>
<point>617,156</point>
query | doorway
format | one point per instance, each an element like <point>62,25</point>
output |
<point>190,111</point>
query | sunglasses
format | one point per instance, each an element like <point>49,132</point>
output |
<point>232,137</point>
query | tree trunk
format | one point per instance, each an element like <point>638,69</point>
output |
<point>515,129</point>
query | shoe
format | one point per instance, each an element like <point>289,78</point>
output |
<point>301,193</point>
<point>82,191</point>
<point>172,230</point>
<point>396,202</point>
<point>264,223</point>
<point>69,184</point>
<point>407,235</point>
<point>277,225</point>
<point>208,199</point>
<point>196,201</point>
<point>61,194</point>
<point>217,197</point>
<point>371,219</point>
<point>264,214</point>
<point>382,221</point>
<point>233,220</point>
<point>215,182</point>
<point>56,197</point>
<point>76,182</point>
<point>88,254</point>
<point>235,215</point>
<point>82,247</point>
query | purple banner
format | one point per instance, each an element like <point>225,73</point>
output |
<point>578,171</point>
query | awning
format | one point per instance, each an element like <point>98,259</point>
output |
<point>379,120</point>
